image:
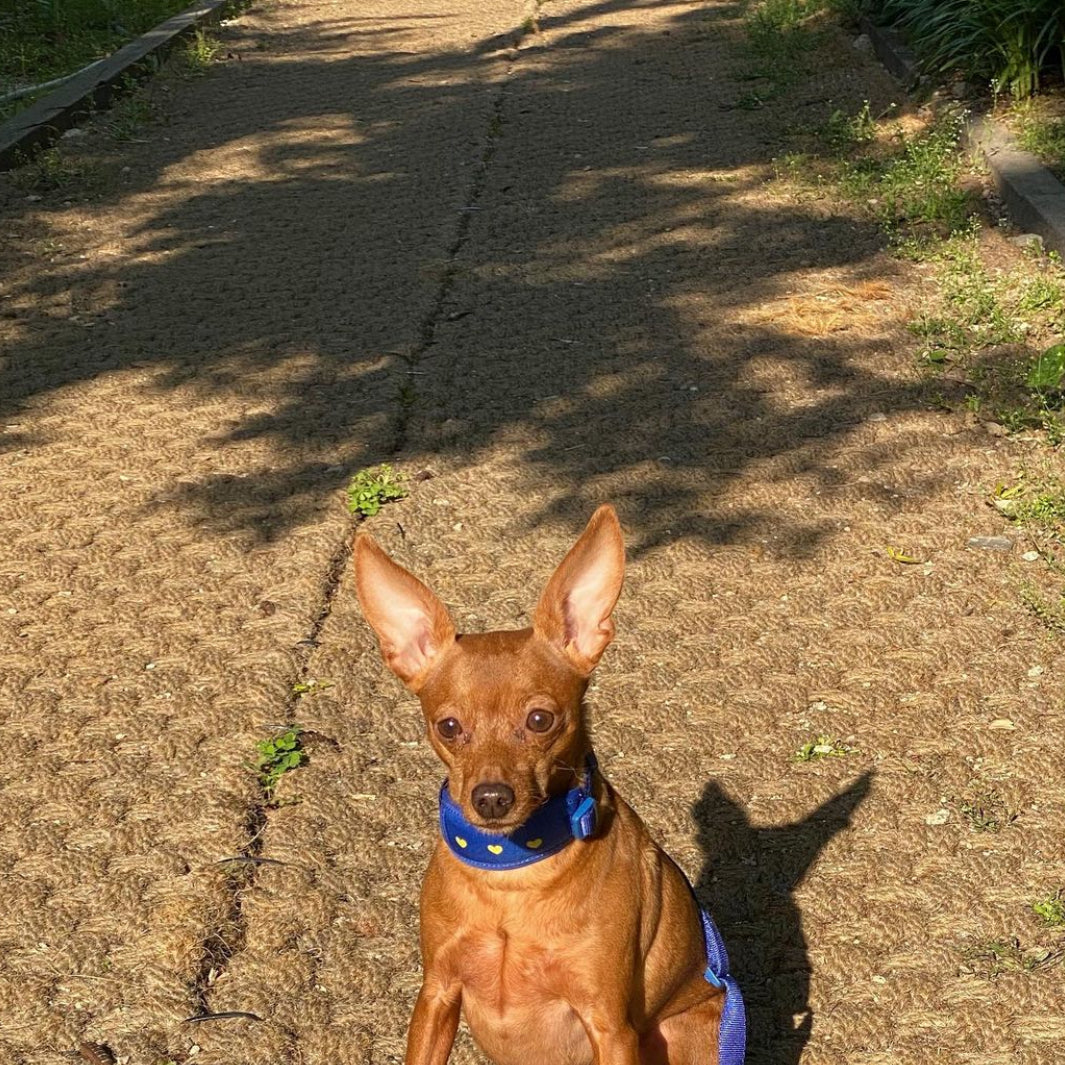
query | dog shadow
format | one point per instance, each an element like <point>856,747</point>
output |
<point>746,882</point>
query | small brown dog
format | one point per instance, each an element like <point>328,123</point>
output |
<point>548,914</point>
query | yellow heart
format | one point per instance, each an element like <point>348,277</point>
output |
<point>534,844</point>
<point>461,842</point>
<point>495,848</point>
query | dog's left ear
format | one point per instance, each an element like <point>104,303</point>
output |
<point>574,612</point>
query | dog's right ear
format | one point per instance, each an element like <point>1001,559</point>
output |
<point>412,625</point>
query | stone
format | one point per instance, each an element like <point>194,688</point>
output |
<point>75,134</point>
<point>863,44</point>
<point>990,543</point>
<point>1028,240</point>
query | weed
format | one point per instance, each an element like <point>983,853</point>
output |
<point>372,488</point>
<point>129,117</point>
<point>199,53</point>
<point>843,133</point>
<point>1042,135</point>
<point>986,811</point>
<point>52,171</point>
<point>1051,909</point>
<point>1051,615</point>
<point>822,747</point>
<point>277,756</point>
<point>913,189</point>
<point>309,687</point>
<point>994,957</point>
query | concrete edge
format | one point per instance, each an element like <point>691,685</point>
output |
<point>40,124</point>
<point>1032,195</point>
<point>892,51</point>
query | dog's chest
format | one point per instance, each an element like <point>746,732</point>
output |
<point>511,986</point>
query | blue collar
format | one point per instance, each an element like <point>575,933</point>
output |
<point>551,827</point>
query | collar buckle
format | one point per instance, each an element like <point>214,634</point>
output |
<point>585,818</point>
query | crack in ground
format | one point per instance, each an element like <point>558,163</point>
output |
<point>407,396</point>
<point>228,937</point>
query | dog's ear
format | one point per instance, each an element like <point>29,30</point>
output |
<point>412,625</point>
<point>574,612</point>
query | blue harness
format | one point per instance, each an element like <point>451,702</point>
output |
<point>553,826</point>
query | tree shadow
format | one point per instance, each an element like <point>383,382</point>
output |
<point>746,882</point>
<point>616,300</point>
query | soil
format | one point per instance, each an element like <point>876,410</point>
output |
<point>542,269</point>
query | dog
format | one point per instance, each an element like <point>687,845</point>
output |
<point>549,916</point>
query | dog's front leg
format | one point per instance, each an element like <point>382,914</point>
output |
<point>435,1021</point>
<point>614,1040</point>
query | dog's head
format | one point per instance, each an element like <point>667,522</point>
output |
<point>503,709</point>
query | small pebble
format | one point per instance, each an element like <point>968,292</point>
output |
<point>1030,556</point>
<point>1002,724</point>
<point>940,817</point>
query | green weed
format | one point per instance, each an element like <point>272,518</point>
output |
<point>1051,615</point>
<point>52,171</point>
<point>199,53</point>
<point>843,133</point>
<point>1042,135</point>
<point>130,116</point>
<point>309,687</point>
<point>986,811</point>
<point>372,488</point>
<point>278,756</point>
<point>995,957</point>
<point>1051,909</point>
<point>822,747</point>
<point>912,188</point>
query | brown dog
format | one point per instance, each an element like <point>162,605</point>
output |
<point>548,914</point>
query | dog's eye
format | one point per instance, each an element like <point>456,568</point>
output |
<point>449,728</point>
<point>539,720</point>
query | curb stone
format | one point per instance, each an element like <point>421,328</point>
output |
<point>40,124</point>
<point>1033,196</point>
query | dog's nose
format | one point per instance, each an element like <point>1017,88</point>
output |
<point>492,801</point>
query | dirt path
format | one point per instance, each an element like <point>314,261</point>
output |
<point>549,276</point>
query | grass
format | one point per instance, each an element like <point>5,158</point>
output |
<point>278,756</point>
<point>53,171</point>
<point>996,957</point>
<point>370,489</point>
<point>130,116</point>
<point>1040,129</point>
<point>907,182</point>
<point>44,39</point>
<point>822,747</point>
<point>1038,506</point>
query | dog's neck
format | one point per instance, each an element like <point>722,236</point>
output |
<point>564,818</point>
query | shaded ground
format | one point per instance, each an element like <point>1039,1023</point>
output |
<point>550,275</point>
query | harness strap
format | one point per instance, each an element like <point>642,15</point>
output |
<point>732,1038</point>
